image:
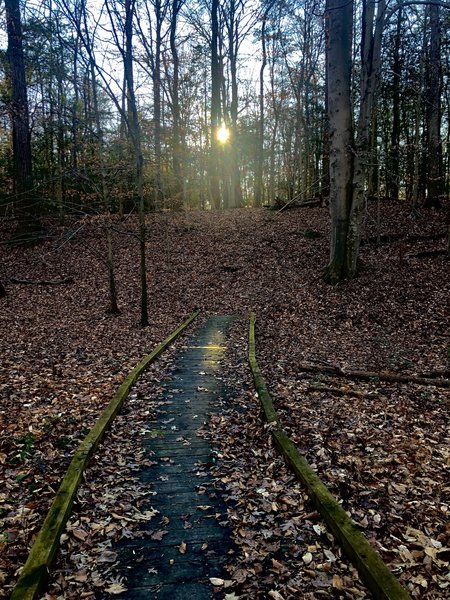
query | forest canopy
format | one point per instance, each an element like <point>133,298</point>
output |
<point>112,105</point>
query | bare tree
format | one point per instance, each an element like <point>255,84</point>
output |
<point>20,119</point>
<point>349,158</point>
<point>122,32</point>
<point>135,135</point>
<point>433,112</point>
<point>339,68</point>
<point>216,80</point>
<point>175,104</point>
<point>259,189</point>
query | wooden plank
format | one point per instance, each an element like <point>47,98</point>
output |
<point>373,571</point>
<point>264,396</point>
<point>34,573</point>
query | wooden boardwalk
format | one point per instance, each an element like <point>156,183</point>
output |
<point>185,544</point>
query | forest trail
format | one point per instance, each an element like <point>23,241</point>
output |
<point>63,357</point>
<point>187,544</point>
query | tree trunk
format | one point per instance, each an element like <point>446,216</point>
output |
<point>235,195</point>
<point>259,175</point>
<point>135,135</point>
<point>21,142</point>
<point>276,109</point>
<point>371,56</point>
<point>417,157</point>
<point>339,64</point>
<point>178,190</point>
<point>349,162</point>
<point>113,303</point>
<point>214,183</point>
<point>394,154</point>
<point>158,196</point>
<point>434,179</point>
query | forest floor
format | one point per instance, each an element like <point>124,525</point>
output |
<point>381,447</point>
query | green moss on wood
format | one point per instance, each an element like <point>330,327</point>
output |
<point>266,401</point>
<point>34,573</point>
<point>372,570</point>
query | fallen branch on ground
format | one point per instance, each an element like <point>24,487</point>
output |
<point>16,281</point>
<point>395,237</point>
<point>339,391</point>
<point>374,375</point>
<point>425,253</point>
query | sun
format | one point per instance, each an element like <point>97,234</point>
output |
<point>223,134</point>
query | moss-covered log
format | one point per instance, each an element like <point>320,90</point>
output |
<point>372,570</point>
<point>266,401</point>
<point>34,574</point>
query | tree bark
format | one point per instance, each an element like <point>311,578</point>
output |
<point>259,175</point>
<point>158,195</point>
<point>374,375</point>
<point>135,135</point>
<point>371,56</point>
<point>434,179</point>
<point>176,126</point>
<point>214,183</point>
<point>113,303</point>
<point>349,161</point>
<point>235,195</point>
<point>339,19</point>
<point>20,118</point>
<point>394,154</point>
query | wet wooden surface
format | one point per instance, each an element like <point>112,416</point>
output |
<point>191,511</point>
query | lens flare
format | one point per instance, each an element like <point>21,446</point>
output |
<point>223,134</point>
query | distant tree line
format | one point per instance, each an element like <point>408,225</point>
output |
<point>114,107</point>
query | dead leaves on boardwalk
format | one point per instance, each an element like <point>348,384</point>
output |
<point>384,456</point>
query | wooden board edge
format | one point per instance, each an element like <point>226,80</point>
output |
<point>373,571</point>
<point>35,571</point>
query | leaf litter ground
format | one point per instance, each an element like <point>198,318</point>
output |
<point>384,452</point>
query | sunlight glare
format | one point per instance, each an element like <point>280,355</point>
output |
<point>223,134</point>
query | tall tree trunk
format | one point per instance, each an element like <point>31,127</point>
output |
<point>259,175</point>
<point>349,162</point>
<point>176,131</point>
<point>417,157</point>
<point>22,160</point>
<point>60,140</point>
<point>339,18</point>
<point>158,195</point>
<point>113,303</point>
<point>135,135</point>
<point>276,109</point>
<point>235,196</point>
<point>394,154</point>
<point>75,119</point>
<point>214,181</point>
<point>371,57</point>
<point>325,180</point>
<point>434,179</point>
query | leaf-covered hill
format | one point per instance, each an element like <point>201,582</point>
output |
<point>62,355</point>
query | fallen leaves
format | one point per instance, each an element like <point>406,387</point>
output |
<point>383,449</point>
<point>116,588</point>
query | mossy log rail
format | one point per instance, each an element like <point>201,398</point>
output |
<point>34,573</point>
<point>371,568</point>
